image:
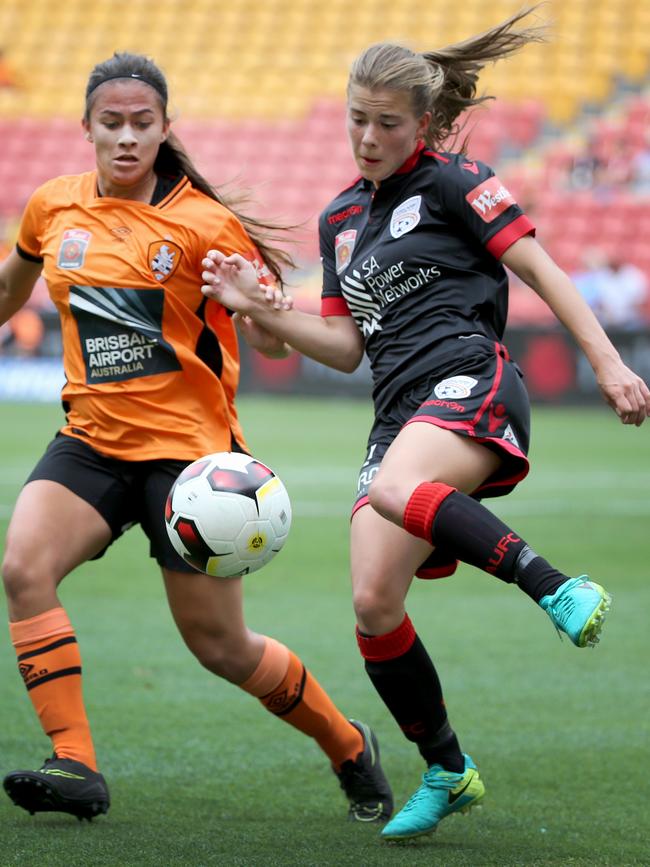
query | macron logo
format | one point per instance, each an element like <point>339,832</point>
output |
<point>490,199</point>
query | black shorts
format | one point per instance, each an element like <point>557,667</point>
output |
<point>482,397</point>
<point>123,492</point>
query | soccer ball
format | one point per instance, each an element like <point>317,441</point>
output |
<point>228,514</point>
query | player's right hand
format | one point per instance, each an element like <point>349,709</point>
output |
<point>232,280</point>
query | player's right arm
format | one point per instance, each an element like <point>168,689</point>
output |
<point>331,340</point>
<point>18,277</point>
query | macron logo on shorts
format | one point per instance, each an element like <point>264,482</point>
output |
<point>489,199</point>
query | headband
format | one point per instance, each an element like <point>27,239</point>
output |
<point>162,91</point>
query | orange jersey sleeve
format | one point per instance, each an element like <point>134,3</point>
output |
<point>151,365</point>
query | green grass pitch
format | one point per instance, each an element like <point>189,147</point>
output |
<point>201,775</point>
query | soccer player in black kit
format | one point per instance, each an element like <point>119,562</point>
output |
<point>413,257</point>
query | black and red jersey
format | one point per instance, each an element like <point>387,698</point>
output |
<point>416,263</point>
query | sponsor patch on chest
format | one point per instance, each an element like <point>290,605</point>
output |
<point>343,247</point>
<point>72,252</point>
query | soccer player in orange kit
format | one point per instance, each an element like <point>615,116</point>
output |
<point>151,371</point>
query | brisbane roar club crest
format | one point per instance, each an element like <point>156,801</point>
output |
<point>163,258</point>
<point>405,217</point>
<point>343,247</point>
<point>72,252</point>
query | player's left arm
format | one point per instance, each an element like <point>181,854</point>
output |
<point>624,391</point>
<point>18,277</point>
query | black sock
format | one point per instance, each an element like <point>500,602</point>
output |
<point>535,575</point>
<point>481,539</point>
<point>410,688</point>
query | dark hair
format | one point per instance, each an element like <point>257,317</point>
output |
<point>442,81</point>
<point>173,159</point>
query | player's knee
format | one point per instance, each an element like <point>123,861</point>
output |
<point>388,496</point>
<point>22,577</point>
<point>219,655</point>
<point>374,612</point>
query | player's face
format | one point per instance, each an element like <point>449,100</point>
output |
<point>127,126</point>
<point>383,130</point>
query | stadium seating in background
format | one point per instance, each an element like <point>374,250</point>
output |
<point>259,88</point>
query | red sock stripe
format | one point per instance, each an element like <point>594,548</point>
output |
<point>422,507</point>
<point>376,648</point>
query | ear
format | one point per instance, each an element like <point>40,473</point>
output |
<point>165,131</point>
<point>423,125</point>
<point>87,133</point>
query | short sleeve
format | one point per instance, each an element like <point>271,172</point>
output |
<point>32,226</point>
<point>473,194</point>
<point>332,301</point>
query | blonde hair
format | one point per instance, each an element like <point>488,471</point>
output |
<point>442,81</point>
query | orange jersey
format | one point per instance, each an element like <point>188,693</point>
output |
<point>151,365</point>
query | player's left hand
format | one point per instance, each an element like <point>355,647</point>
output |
<point>274,296</point>
<point>626,393</point>
<point>232,280</point>
<point>260,339</point>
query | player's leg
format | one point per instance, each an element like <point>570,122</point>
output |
<point>69,531</point>
<point>384,559</point>
<point>421,485</point>
<point>209,616</point>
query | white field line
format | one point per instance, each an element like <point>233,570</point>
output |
<point>346,477</point>
<point>522,508</point>
<point>549,493</point>
<point>608,508</point>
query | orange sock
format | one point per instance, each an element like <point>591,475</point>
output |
<point>50,664</point>
<point>288,690</point>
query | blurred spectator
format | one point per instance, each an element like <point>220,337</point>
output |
<point>8,77</point>
<point>586,167</point>
<point>616,291</point>
<point>23,334</point>
<point>625,296</point>
<point>617,165</point>
<point>591,279</point>
<point>641,169</point>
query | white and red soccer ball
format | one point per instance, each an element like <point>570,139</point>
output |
<point>228,514</point>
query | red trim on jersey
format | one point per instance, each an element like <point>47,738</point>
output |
<point>504,445</point>
<point>504,481</point>
<point>439,157</point>
<point>364,501</point>
<point>496,382</point>
<point>412,161</point>
<point>334,307</point>
<point>506,237</point>
<point>449,425</point>
<point>444,571</point>
<point>377,648</point>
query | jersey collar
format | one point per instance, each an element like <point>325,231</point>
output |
<point>406,167</point>
<point>412,161</point>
